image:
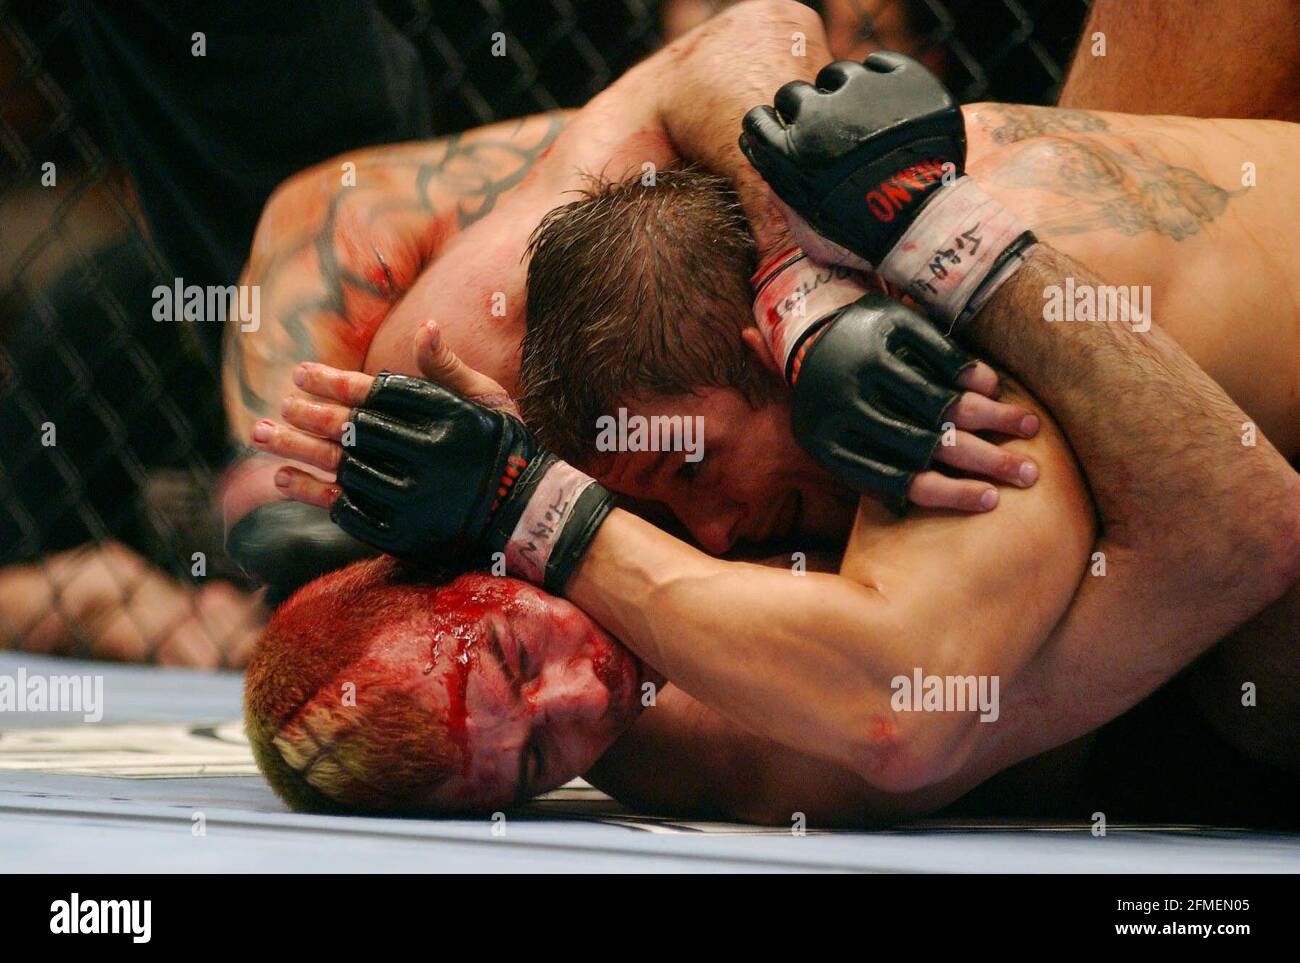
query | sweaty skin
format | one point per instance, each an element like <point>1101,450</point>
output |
<point>1153,241</point>
<point>634,574</point>
<point>1150,201</point>
<point>1128,221</point>
<point>335,257</point>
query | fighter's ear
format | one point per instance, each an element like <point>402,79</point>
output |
<point>753,339</point>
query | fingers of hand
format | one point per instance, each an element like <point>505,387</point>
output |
<point>979,457</point>
<point>763,128</point>
<point>297,445</point>
<point>930,489</point>
<point>980,378</point>
<point>317,417</point>
<point>439,363</point>
<point>303,487</point>
<point>790,99</point>
<point>349,388</point>
<point>976,412</point>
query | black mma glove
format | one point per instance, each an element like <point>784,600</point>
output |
<point>439,480</point>
<point>873,159</point>
<point>870,392</point>
<point>871,378</point>
<point>859,154</point>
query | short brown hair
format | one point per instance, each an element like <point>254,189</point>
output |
<point>636,288</point>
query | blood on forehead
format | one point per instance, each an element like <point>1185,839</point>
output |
<point>464,610</point>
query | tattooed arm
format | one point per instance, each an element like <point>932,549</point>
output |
<point>1151,202</point>
<point>337,247</point>
<point>340,243</point>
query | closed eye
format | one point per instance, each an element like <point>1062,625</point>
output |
<point>536,764</point>
<point>526,668</point>
<point>530,769</point>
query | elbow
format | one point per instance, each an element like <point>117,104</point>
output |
<point>286,544</point>
<point>1252,557</point>
<point>921,726</point>
<point>901,752</point>
<point>1265,549</point>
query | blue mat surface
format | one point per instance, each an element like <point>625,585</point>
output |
<point>164,782</point>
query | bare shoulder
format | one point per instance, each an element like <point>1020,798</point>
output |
<point>1159,177</point>
<point>1198,213</point>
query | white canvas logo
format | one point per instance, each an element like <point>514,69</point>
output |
<point>946,693</point>
<point>656,433</point>
<point>1129,304</point>
<point>53,693</point>
<point>94,916</point>
<point>213,303</point>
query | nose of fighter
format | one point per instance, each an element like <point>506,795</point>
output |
<point>714,522</point>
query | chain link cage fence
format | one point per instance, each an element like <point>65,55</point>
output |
<point>111,429</point>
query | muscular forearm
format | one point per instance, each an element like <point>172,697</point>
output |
<point>1198,530</point>
<point>804,660</point>
<point>705,82</point>
<point>1158,439</point>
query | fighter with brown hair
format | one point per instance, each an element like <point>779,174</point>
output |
<point>787,681</point>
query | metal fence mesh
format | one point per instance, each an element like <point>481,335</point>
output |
<point>111,431</point>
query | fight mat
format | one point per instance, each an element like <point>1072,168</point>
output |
<point>165,782</point>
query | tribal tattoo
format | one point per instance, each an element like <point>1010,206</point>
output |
<point>343,263</point>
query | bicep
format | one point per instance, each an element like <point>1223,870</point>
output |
<point>981,593</point>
